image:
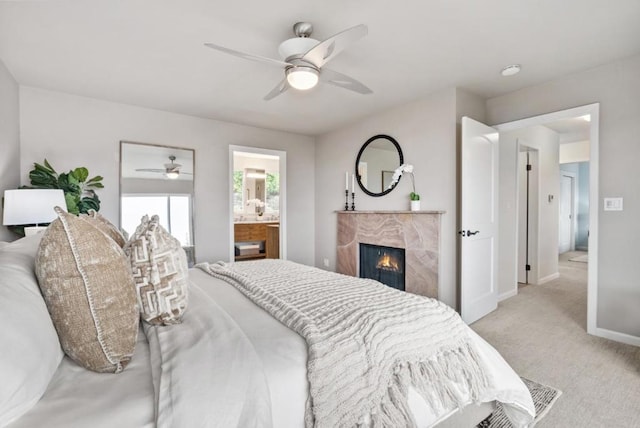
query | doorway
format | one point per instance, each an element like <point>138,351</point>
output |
<point>257,203</point>
<point>550,195</point>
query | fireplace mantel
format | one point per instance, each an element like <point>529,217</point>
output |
<point>418,232</point>
<point>391,212</point>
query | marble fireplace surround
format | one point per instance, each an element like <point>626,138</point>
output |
<point>418,232</point>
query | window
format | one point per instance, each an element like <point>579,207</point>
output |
<point>174,212</point>
<point>237,191</point>
<point>273,192</point>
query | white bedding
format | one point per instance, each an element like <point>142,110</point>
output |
<point>283,354</point>
<point>79,398</point>
<point>236,338</point>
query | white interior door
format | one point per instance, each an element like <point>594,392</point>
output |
<point>566,213</point>
<point>479,220</point>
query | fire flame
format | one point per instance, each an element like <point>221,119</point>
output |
<point>386,262</point>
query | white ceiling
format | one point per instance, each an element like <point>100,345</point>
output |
<point>150,52</point>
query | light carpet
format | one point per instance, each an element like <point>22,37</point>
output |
<point>542,334</point>
<point>543,398</point>
<point>584,258</point>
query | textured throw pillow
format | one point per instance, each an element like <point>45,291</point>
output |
<point>160,271</point>
<point>87,285</point>
<point>105,226</point>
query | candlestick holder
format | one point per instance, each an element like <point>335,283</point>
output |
<point>353,201</point>
<point>346,200</point>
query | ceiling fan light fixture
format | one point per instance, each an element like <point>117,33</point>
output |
<point>511,70</point>
<point>172,175</point>
<point>302,78</point>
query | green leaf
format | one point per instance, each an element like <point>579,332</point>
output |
<point>89,203</point>
<point>46,163</point>
<point>95,179</point>
<point>72,203</point>
<point>414,196</point>
<point>42,180</point>
<point>96,185</point>
<point>72,179</point>
<point>80,174</point>
<point>38,167</point>
<point>67,185</point>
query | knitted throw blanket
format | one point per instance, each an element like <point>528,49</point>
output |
<point>367,342</point>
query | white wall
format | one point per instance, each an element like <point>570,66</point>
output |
<point>9,140</point>
<point>426,132</point>
<point>616,87</point>
<point>71,131</point>
<point>575,152</point>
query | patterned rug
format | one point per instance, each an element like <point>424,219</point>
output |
<point>543,398</point>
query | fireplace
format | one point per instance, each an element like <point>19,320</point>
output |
<point>384,264</point>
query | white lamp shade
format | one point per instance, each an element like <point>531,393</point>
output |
<point>31,206</point>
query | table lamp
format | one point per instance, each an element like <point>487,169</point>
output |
<point>31,206</point>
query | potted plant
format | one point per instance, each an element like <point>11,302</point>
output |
<point>413,196</point>
<point>78,188</point>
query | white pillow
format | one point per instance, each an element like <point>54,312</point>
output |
<point>29,348</point>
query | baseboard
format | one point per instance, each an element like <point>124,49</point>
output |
<point>505,296</point>
<point>616,336</point>
<point>548,278</point>
<point>582,248</point>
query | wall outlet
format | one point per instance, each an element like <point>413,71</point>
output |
<point>325,262</point>
<point>613,204</point>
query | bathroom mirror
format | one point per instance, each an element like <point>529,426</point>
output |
<point>157,179</point>
<point>254,180</point>
<point>378,158</point>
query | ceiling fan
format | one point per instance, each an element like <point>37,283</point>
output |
<point>303,60</point>
<point>171,170</point>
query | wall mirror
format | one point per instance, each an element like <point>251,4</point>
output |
<point>378,158</point>
<point>157,179</point>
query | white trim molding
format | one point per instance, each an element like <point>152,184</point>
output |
<point>548,278</point>
<point>507,294</point>
<point>617,336</point>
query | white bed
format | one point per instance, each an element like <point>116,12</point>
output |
<point>232,365</point>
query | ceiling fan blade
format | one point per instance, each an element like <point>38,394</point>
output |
<point>150,170</point>
<point>327,49</point>
<point>248,56</point>
<point>280,88</point>
<point>343,81</point>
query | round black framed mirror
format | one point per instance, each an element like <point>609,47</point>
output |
<point>377,160</point>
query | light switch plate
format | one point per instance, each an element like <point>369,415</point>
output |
<point>613,204</point>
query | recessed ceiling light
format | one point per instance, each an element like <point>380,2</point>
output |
<point>510,70</point>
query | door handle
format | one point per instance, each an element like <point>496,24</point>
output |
<point>470,233</point>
